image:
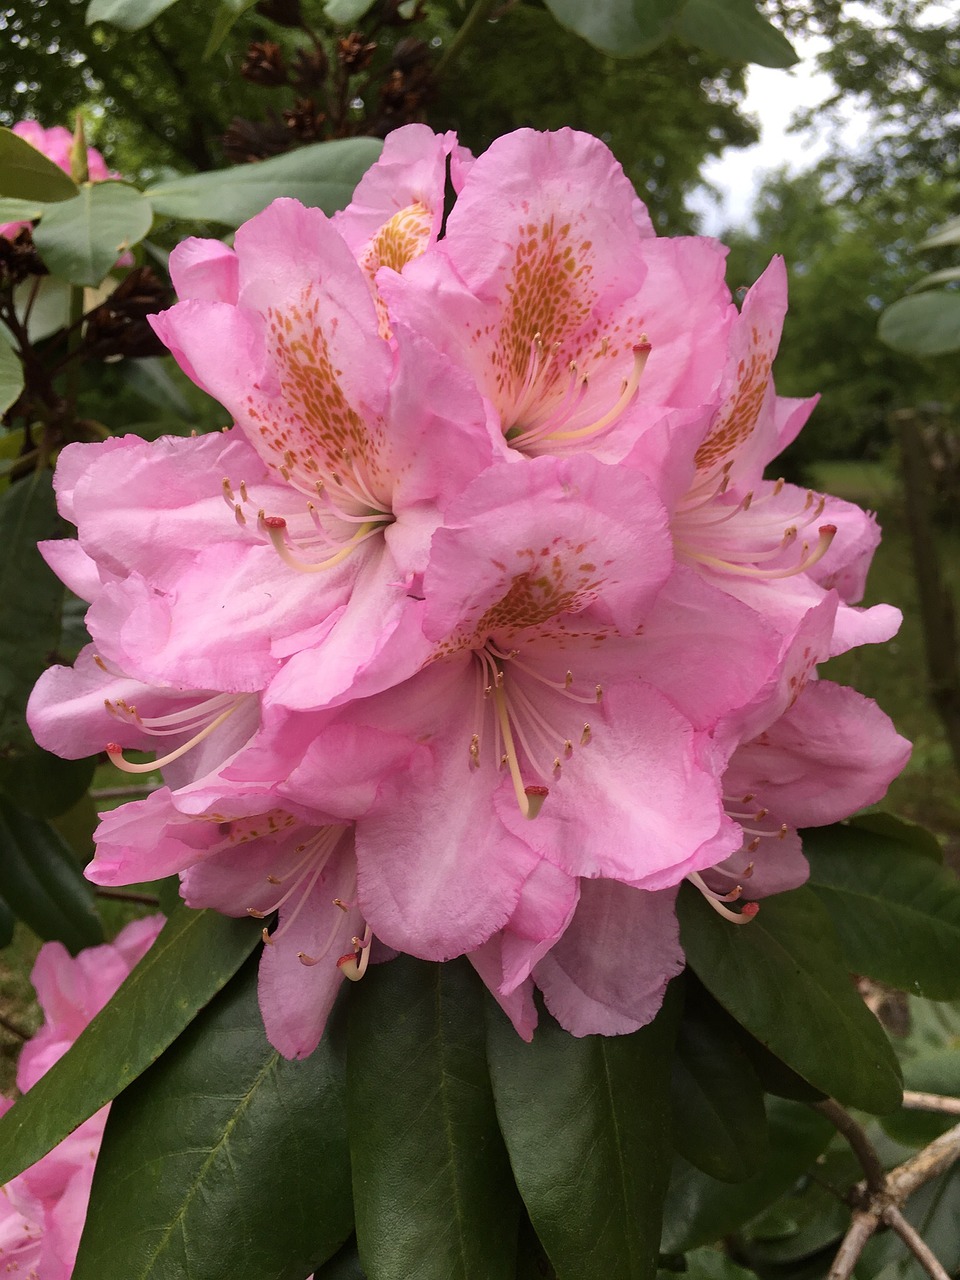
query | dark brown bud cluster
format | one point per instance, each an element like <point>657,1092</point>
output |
<point>118,328</point>
<point>19,259</point>
<point>407,86</point>
<point>305,120</point>
<point>264,64</point>
<point>308,70</point>
<point>248,140</point>
<point>355,52</point>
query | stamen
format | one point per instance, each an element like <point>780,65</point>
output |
<point>716,900</point>
<point>275,527</point>
<point>353,965</point>
<point>115,751</point>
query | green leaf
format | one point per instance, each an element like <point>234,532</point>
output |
<point>346,12</point>
<point>925,324</point>
<point>620,28</point>
<point>323,175</point>
<point>81,239</point>
<point>699,1209</point>
<point>783,977</point>
<point>11,376</point>
<point>15,210</point>
<point>42,884</point>
<point>43,785</point>
<point>27,174</point>
<point>734,29</point>
<point>587,1125</point>
<point>810,1217</point>
<point>344,1265</point>
<point>195,955</point>
<point>937,1071</point>
<point>433,1194</point>
<point>949,233</point>
<point>897,914</point>
<point>227,15</point>
<point>31,603</point>
<point>8,922</point>
<point>128,15</point>
<point>945,276</point>
<point>224,1159</point>
<point>719,1123</point>
<point>713,1264</point>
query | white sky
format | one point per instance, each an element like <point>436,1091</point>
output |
<point>772,98</point>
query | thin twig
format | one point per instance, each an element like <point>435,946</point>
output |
<point>862,1226</point>
<point>915,1243</point>
<point>860,1144</point>
<point>147,899</point>
<point>925,1165</point>
<point>915,1101</point>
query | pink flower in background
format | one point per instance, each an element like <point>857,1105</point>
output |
<point>55,144</point>
<point>42,1210</point>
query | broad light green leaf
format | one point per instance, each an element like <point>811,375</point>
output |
<point>783,977</point>
<point>734,29</point>
<point>897,914</point>
<point>42,884</point>
<point>346,12</point>
<point>323,175</point>
<point>719,1123</point>
<point>620,28</point>
<point>227,14</point>
<point>224,1160</point>
<point>128,15</point>
<point>81,239</point>
<point>433,1194</point>
<point>949,233</point>
<point>27,174</point>
<point>14,210</point>
<point>587,1125</point>
<point>11,375</point>
<point>195,954</point>
<point>924,324</point>
<point>699,1209</point>
<point>31,602</point>
<point>945,276</point>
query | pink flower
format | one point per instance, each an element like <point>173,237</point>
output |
<point>55,144</point>
<point>42,1210</point>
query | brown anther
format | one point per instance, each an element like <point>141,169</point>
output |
<point>274,880</point>
<point>243,491</point>
<point>339,902</point>
<point>783,831</point>
<point>257,915</point>
<point>585,735</point>
<point>747,872</point>
<point>556,766</point>
<point>567,748</point>
<point>599,692</point>
<point>238,514</point>
<point>265,934</point>
<point>100,662</point>
<point>760,815</point>
<point>754,845</point>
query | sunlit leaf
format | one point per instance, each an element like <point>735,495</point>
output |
<point>432,1186</point>
<point>735,29</point>
<point>27,174</point>
<point>949,233</point>
<point>128,15</point>
<point>924,324</point>
<point>346,12</point>
<point>223,1159</point>
<point>323,175</point>
<point>196,953</point>
<point>81,239</point>
<point>620,28</point>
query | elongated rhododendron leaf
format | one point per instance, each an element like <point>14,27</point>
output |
<point>718,1118</point>
<point>323,175</point>
<point>699,1209</point>
<point>587,1125</point>
<point>197,952</point>
<point>11,375</point>
<point>897,915</point>
<point>224,1159</point>
<point>432,1186</point>
<point>42,884</point>
<point>784,978</point>
<point>621,28</point>
<point>27,174</point>
<point>735,29</point>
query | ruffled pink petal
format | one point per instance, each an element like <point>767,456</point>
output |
<point>204,269</point>
<point>518,1005</point>
<point>608,973</point>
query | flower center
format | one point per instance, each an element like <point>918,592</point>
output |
<point>524,740</point>
<point>553,408</point>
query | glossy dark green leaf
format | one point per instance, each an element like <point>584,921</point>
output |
<point>11,375</point>
<point>783,977</point>
<point>810,1217</point>
<point>81,239</point>
<point>31,602</point>
<point>42,784</point>
<point>735,29</point>
<point>433,1194</point>
<point>27,174</point>
<point>196,953</point>
<point>587,1125</point>
<point>225,1160</point>
<point>699,1209</point>
<point>719,1123</point>
<point>128,15</point>
<point>774,1075</point>
<point>42,884</point>
<point>713,1264</point>
<point>924,324</point>
<point>937,1071</point>
<point>896,913</point>
<point>323,174</point>
<point>620,28</point>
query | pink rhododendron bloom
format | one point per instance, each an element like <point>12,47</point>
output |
<point>479,630</point>
<point>42,1211</point>
<point>55,144</point>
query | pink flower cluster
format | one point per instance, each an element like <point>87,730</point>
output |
<point>479,630</point>
<point>55,144</point>
<point>43,1210</point>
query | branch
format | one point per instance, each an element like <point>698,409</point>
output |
<point>862,1227</point>
<point>914,1101</point>
<point>915,1243</point>
<point>862,1147</point>
<point>925,1165</point>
